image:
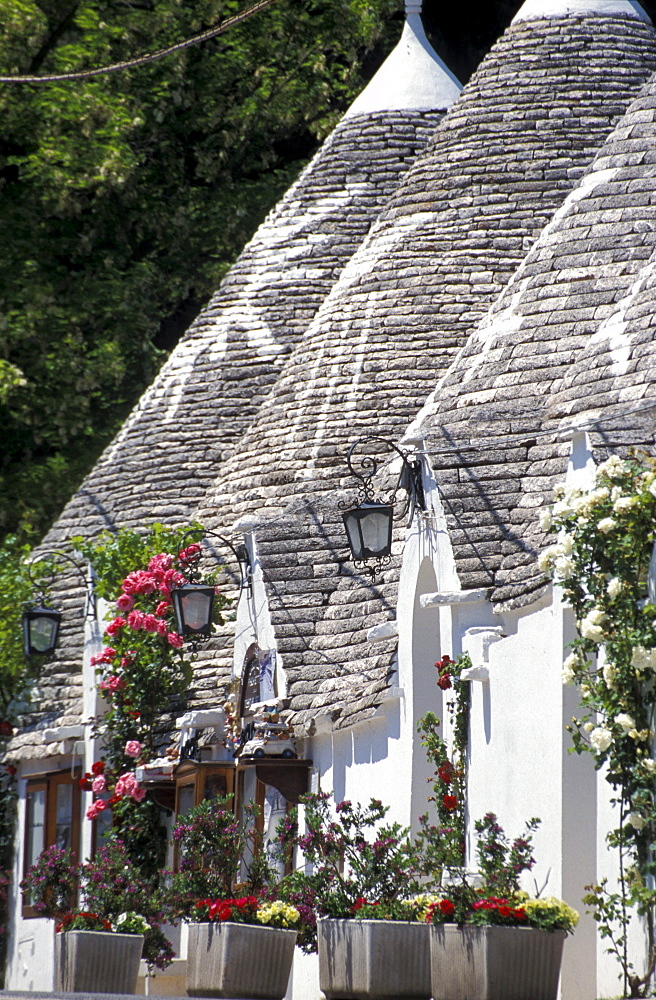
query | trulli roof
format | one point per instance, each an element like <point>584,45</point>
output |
<point>499,166</point>
<point>568,344</point>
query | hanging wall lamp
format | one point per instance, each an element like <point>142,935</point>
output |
<point>41,622</point>
<point>369,523</point>
<point>193,601</point>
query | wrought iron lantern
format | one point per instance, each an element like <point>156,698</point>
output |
<point>41,622</point>
<point>40,630</point>
<point>193,605</point>
<point>193,601</point>
<point>369,523</point>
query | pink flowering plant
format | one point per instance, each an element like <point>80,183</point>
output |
<point>110,889</point>
<point>143,670</point>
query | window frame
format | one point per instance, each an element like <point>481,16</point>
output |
<point>50,783</point>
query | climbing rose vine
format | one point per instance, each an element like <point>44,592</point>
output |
<point>142,669</point>
<point>605,541</point>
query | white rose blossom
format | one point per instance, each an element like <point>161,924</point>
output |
<point>643,659</point>
<point>568,670</point>
<point>649,766</point>
<point>588,727</point>
<point>610,675</point>
<point>625,721</point>
<point>637,820</point>
<point>614,587</point>
<point>546,519</point>
<point>564,567</point>
<point>624,504</point>
<point>606,524</point>
<point>613,467</point>
<point>601,738</point>
<point>590,627</point>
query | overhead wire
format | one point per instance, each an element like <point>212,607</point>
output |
<point>148,57</point>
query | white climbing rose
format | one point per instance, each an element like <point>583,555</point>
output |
<point>614,587</point>
<point>601,738</point>
<point>637,820</point>
<point>590,627</point>
<point>606,524</point>
<point>625,721</point>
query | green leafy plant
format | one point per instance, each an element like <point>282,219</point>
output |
<point>212,846</point>
<point>605,541</point>
<point>496,898</point>
<point>113,891</point>
<point>354,854</point>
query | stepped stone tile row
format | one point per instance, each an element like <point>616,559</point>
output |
<point>168,451</point>
<point>500,165</point>
<point>568,344</point>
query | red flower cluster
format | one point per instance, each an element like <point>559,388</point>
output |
<point>444,672</point>
<point>450,803</point>
<point>359,903</point>
<point>445,907</point>
<point>504,907</point>
<point>239,910</point>
<point>83,921</point>
<point>446,772</point>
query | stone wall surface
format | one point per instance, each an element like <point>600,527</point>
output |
<point>497,172</point>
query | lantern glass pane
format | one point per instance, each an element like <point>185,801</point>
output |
<point>375,531</point>
<point>43,633</point>
<point>352,525</point>
<point>196,609</point>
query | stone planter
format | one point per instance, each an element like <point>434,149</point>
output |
<point>495,963</point>
<point>239,960</point>
<point>97,962</point>
<point>374,959</point>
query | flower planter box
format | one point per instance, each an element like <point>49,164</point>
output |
<point>495,963</point>
<point>239,960</point>
<point>97,962</point>
<point>374,959</point>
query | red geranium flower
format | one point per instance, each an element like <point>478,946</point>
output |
<point>447,907</point>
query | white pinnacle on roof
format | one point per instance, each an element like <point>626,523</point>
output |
<point>533,9</point>
<point>412,78</point>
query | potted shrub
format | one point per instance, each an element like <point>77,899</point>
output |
<point>117,903</point>
<point>371,938</point>
<point>494,942</point>
<point>241,948</point>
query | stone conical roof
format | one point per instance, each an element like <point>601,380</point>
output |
<point>501,163</point>
<point>569,344</point>
<point>167,452</point>
<point>499,166</point>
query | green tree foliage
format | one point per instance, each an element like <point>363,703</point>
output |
<point>125,198</point>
